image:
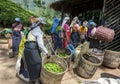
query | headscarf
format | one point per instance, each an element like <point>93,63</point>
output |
<point>64,21</point>
<point>91,30</point>
<point>91,23</point>
<point>75,19</point>
<point>85,24</point>
<point>55,24</point>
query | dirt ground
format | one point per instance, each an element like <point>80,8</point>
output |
<point>8,75</point>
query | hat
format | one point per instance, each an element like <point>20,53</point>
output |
<point>41,20</point>
<point>17,19</point>
<point>38,22</point>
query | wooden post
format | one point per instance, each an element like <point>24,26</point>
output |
<point>103,11</point>
<point>62,12</point>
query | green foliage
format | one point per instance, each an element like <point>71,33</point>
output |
<point>9,11</point>
<point>46,12</point>
<point>53,67</point>
<point>2,32</point>
<point>39,3</point>
<point>8,31</point>
<point>5,31</point>
<point>26,3</point>
<point>63,55</point>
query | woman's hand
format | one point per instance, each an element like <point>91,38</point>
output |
<point>48,56</point>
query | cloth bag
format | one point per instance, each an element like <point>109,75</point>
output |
<point>9,43</point>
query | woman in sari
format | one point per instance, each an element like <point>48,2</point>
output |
<point>16,36</point>
<point>33,47</point>
<point>55,30</point>
<point>83,32</point>
<point>74,32</point>
<point>94,42</point>
<point>67,40</point>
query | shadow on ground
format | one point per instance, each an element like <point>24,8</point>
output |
<point>3,52</point>
<point>107,75</point>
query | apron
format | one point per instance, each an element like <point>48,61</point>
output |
<point>33,59</point>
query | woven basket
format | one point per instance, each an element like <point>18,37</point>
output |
<point>104,34</point>
<point>111,59</point>
<point>47,77</point>
<point>99,54</point>
<point>67,58</point>
<point>87,66</point>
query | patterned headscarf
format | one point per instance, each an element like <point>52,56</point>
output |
<point>75,19</point>
<point>85,24</point>
<point>64,21</point>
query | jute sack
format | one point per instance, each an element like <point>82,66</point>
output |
<point>85,48</point>
<point>77,54</point>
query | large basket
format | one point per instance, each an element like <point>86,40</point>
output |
<point>47,77</point>
<point>104,34</point>
<point>67,58</point>
<point>98,53</point>
<point>87,66</point>
<point>111,59</point>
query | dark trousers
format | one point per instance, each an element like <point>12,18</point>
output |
<point>75,39</point>
<point>57,42</point>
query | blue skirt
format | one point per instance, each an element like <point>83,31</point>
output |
<point>16,38</point>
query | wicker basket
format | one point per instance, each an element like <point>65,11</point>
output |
<point>47,77</point>
<point>111,59</point>
<point>87,66</point>
<point>67,58</point>
<point>104,34</point>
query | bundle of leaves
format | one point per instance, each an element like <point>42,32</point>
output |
<point>53,67</point>
<point>63,53</point>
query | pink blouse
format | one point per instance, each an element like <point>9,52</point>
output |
<point>66,27</point>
